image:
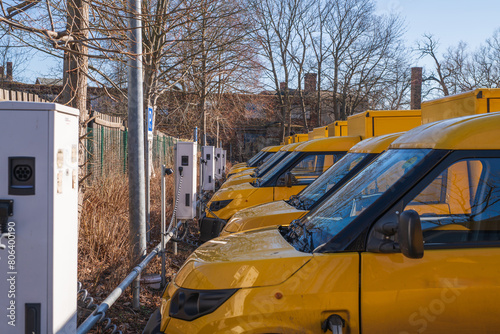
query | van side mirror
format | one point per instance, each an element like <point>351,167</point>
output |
<point>410,237</point>
<point>289,179</point>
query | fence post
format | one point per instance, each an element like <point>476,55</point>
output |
<point>125,150</point>
<point>102,149</point>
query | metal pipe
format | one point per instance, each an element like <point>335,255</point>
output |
<point>99,313</point>
<point>137,201</point>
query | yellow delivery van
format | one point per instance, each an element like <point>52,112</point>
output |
<point>264,155</point>
<point>285,211</point>
<point>411,244</point>
<point>251,174</point>
<point>299,169</point>
<point>227,201</point>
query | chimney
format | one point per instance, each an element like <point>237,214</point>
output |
<point>416,87</point>
<point>283,86</point>
<point>310,82</point>
<point>9,71</point>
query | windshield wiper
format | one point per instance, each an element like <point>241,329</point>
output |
<point>303,204</point>
<point>299,236</point>
<point>293,200</point>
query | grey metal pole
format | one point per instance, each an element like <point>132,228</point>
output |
<point>137,201</point>
<point>217,145</point>
<point>148,187</point>
<point>163,227</point>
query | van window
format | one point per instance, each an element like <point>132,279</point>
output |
<point>313,165</point>
<point>461,205</point>
<point>309,167</point>
<point>328,179</point>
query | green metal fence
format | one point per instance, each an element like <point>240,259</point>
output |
<point>106,148</point>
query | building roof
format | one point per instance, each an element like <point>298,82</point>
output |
<point>49,81</point>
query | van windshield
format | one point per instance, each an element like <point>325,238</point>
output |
<point>266,166</point>
<point>308,197</point>
<point>267,175</point>
<point>334,214</point>
<point>255,158</point>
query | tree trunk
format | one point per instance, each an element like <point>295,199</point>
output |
<point>75,74</point>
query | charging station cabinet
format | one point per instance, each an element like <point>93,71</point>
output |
<point>208,168</point>
<point>186,169</point>
<point>38,217</point>
<point>224,153</point>
<point>218,163</point>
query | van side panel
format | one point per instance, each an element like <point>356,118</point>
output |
<point>447,291</point>
<point>386,125</point>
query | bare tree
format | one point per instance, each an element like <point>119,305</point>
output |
<point>348,20</point>
<point>299,49</point>
<point>428,46</point>
<point>363,48</point>
<point>320,48</point>
<point>11,50</point>
<point>275,21</point>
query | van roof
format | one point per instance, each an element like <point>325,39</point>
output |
<point>272,148</point>
<point>328,144</point>
<point>290,147</point>
<point>375,144</point>
<point>476,132</point>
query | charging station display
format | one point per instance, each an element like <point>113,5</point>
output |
<point>38,217</point>
<point>208,168</point>
<point>185,179</point>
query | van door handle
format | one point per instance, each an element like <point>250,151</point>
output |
<point>334,323</point>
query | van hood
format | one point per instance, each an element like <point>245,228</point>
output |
<point>250,259</point>
<point>238,192</point>
<point>263,215</point>
<point>241,196</point>
<point>240,169</point>
<point>238,180</point>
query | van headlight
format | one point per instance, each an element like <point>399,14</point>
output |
<point>218,205</point>
<point>189,304</point>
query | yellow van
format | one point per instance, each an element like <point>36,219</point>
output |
<point>284,211</point>
<point>252,159</point>
<point>264,155</point>
<point>409,245</point>
<point>251,174</point>
<point>283,183</point>
<point>289,177</point>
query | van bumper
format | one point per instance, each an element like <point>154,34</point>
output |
<point>210,227</point>
<point>154,322</point>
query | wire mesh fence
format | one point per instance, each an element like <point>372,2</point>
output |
<point>106,148</point>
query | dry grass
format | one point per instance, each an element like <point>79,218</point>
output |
<point>104,248</point>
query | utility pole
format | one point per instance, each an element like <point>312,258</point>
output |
<point>136,173</point>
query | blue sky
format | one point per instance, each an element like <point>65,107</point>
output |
<point>449,21</point>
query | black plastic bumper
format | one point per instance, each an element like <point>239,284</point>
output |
<point>154,323</point>
<point>210,228</point>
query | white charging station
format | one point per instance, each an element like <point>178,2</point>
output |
<point>186,170</point>
<point>218,163</point>
<point>39,217</point>
<point>208,168</point>
<point>224,158</point>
